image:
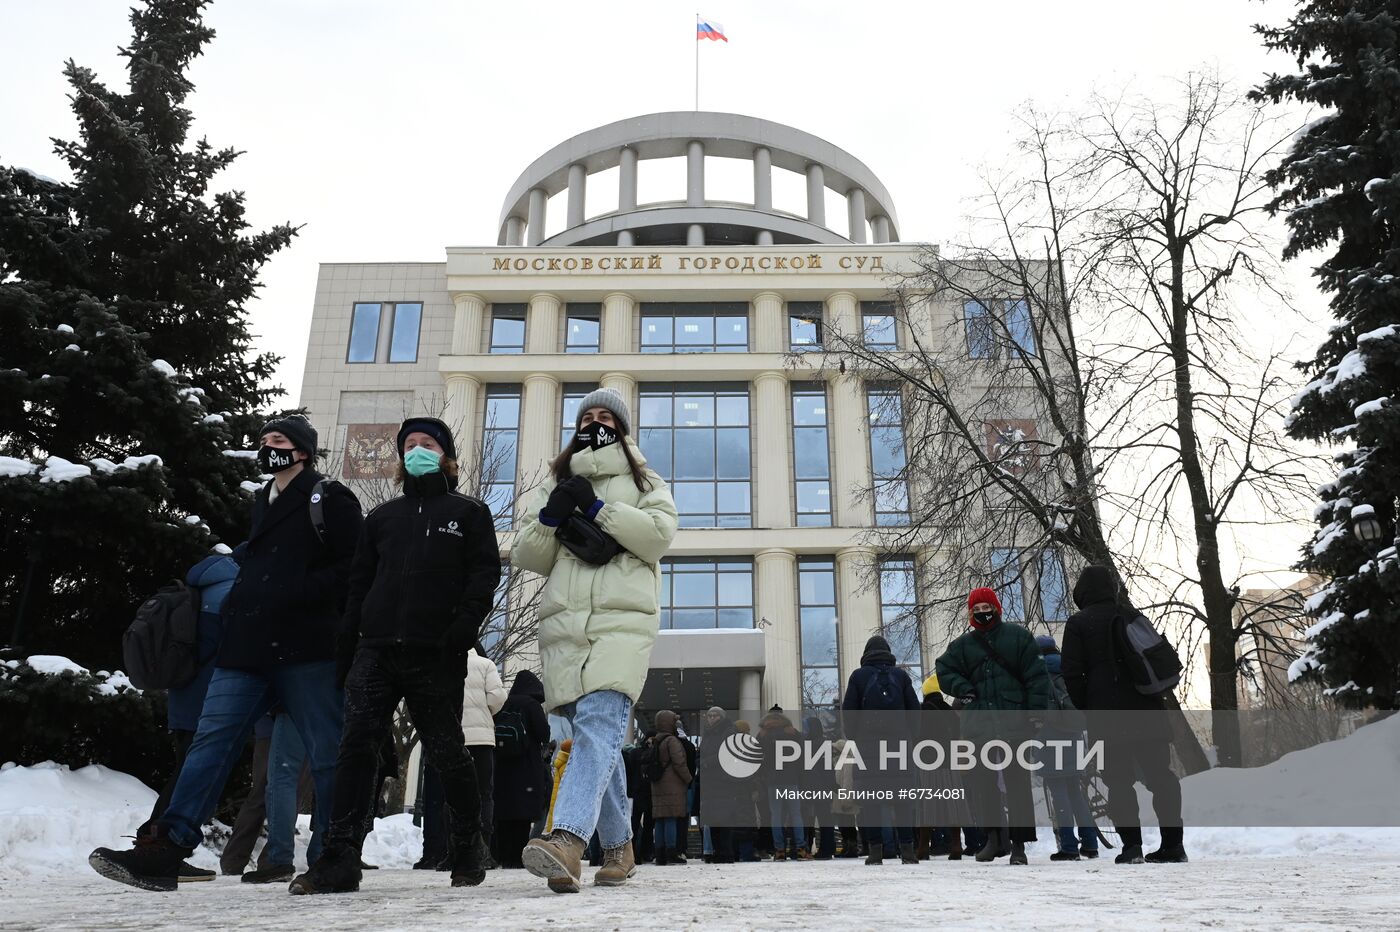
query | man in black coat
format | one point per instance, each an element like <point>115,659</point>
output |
<point>1096,678</point>
<point>422,584</point>
<point>523,784</point>
<point>280,622</point>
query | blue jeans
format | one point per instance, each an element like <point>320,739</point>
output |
<point>235,701</point>
<point>877,822</point>
<point>792,809</point>
<point>667,832</point>
<point>593,792</point>
<point>284,764</point>
<point>1071,809</point>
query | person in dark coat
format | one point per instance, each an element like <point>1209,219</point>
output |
<point>822,782</point>
<point>782,813</point>
<point>522,785</point>
<point>1097,680</point>
<point>423,581</point>
<point>279,645</point>
<point>721,790</point>
<point>669,802</point>
<point>639,791</point>
<point>996,667</point>
<point>884,693</point>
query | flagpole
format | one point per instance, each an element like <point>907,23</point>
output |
<point>697,62</point>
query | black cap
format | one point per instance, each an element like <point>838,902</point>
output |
<point>297,429</point>
<point>433,428</point>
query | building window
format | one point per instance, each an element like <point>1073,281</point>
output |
<point>493,630</point>
<point>811,462</point>
<point>695,328</point>
<point>877,325</point>
<point>364,332</point>
<point>899,616</point>
<point>700,593</point>
<point>887,455</point>
<point>1025,578</point>
<point>403,341</point>
<point>993,323</point>
<point>500,438</point>
<point>696,437</point>
<point>816,599</point>
<point>573,397</point>
<point>582,328</point>
<point>804,326</point>
<point>508,328</point>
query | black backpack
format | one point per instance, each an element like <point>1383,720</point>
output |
<point>1152,663</point>
<point>160,648</point>
<point>654,765</point>
<point>510,734</point>
<point>882,692</point>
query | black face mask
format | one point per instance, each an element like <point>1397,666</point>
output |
<point>596,436</point>
<point>984,618</point>
<point>274,460</point>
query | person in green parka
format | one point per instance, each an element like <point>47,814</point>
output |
<point>997,667</point>
<point>597,625</point>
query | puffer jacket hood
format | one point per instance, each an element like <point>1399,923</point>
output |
<point>1096,584</point>
<point>666,722</point>
<point>527,684</point>
<point>877,650</point>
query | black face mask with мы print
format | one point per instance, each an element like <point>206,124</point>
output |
<point>595,436</point>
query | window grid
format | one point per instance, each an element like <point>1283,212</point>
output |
<point>899,618</point>
<point>364,332</point>
<point>819,631</point>
<point>500,438</point>
<point>878,328</point>
<point>804,326</point>
<point>718,327</point>
<point>507,329</point>
<point>887,455</point>
<point>697,439</point>
<point>697,593</point>
<point>582,327</point>
<point>811,459</point>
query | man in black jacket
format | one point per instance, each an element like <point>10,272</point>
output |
<point>423,582</point>
<point>280,622</point>
<point>1092,665</point>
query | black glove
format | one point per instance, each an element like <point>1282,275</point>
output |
<point>559,506</point>
<point>580,490</point>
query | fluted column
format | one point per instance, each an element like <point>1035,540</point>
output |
<point>618,313</point>
<point>762,179</point>
<point>816,194</point>
<point>769,323</point>
<point>539,433</point>
<point>463,392</point>
<point>534,224</point>
<point>466,323</point>
<point>625,384</point>
<point>855,214</point>
<point>542,329</point>
<point>773,478</point>
<point>578,187</point>
<point>777,605</point>
<point>850,426</point>
<point>859,605</point>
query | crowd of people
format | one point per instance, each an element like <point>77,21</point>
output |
<point>315,629</point>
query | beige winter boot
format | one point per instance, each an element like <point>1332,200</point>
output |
<point>618,865</point>
<point>556,857</point>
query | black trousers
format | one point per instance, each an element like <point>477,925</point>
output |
<point>1128,762</point>
<point>643,830</point>
<point>986,803</point>
<point>434,806</point>
<point>431,686</point>
<point>251,816</point>
<point>511,838</point>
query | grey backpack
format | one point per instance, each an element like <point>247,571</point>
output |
<point>1151,661</point>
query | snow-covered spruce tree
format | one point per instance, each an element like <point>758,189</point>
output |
<point>1340,188</point>
<point>125,366</point>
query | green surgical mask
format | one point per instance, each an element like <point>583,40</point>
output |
<point>420,461</point>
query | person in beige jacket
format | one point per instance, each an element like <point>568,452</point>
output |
<point>597,625</point>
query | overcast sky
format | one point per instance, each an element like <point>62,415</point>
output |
<point>394,129</point>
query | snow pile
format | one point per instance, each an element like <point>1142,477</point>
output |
<point>108,684</point>
<point>163,367</point>
<point>53,665</point>
<point>11,468</point>
<point>58,469</point>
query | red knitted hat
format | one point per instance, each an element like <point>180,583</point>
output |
<point>983,595</point>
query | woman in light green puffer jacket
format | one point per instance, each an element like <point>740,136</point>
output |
<point>596,629</point>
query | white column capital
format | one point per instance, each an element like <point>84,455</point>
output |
<point>541,377</point>
<point>466,297</point>
<point>618,296</point>
<point>544,297</point>
<point>767,296</point>
<point>769,554</point>
<point>770,375</point>
<point>461,378</point>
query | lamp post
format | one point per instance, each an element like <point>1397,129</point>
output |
<point>1367,529</point>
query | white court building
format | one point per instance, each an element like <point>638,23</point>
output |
<point>692,309</point>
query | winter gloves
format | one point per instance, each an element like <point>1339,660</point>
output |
<point>574,492</point>
<point>580,490</point>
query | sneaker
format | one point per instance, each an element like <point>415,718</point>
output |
<point>780,855</point>
<point>273,873</point>
<point>1176,854</point>
<point>1131,854</point>
<point>191,874</point>
<point>366,866</point>
<point>556,857</point>
<point>336,871</point>
<point>619,865</point>
<point>1065,856</point>
<point>469,864</point>
<point>151,863</point>
<point>802,855</point>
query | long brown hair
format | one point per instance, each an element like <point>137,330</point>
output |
<point>560,466</point>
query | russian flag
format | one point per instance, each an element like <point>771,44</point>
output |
<point>709,29</point>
